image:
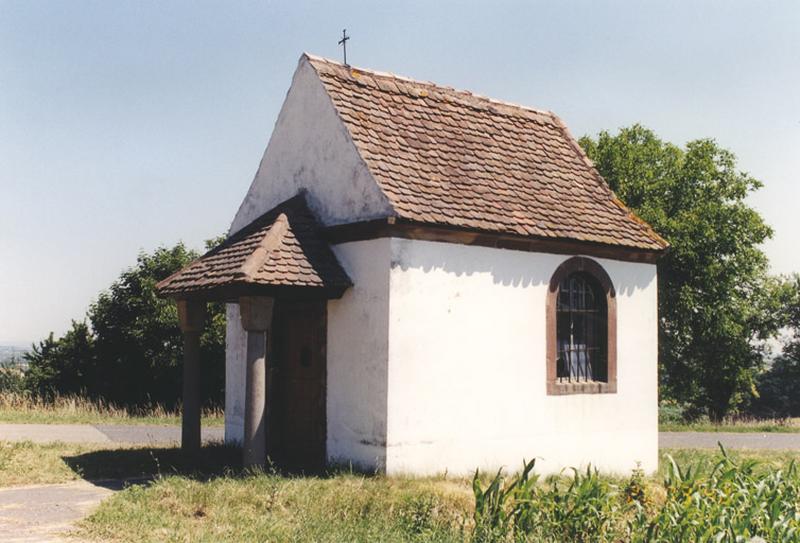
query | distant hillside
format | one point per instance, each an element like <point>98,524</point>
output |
<point>13,355</point>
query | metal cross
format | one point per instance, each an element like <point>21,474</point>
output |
<point>343,43</point>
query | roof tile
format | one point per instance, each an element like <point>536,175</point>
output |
<point>282,248</point>
<point>450,157</point>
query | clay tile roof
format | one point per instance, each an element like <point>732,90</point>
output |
<point>449,157</point>
<point>282,248</point>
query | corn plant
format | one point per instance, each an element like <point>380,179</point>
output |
<point>583,507</point>
<point>729,502</point>
<point>580,508</point>
<point>499,505</point>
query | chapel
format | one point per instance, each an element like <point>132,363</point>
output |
<point>423,280</point>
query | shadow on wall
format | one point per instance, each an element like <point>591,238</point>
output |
<point>508,267</point>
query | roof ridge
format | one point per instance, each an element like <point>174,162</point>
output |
<point>268,243</point>
<point>463,92</point>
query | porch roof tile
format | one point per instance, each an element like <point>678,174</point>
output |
<point>281,248</point>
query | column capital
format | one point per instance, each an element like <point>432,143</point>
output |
<point>256,312</point>
<point>191,315</point>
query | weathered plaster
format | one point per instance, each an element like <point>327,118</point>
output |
<point>358,331</point>
<point>357,354</point>
<point>467,366</point>
<point>310,148</point>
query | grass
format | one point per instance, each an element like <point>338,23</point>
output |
<point>27,463</point>
<point>338,507</point>
<point>265,507</point>
<point>791,425</point>
<point>24,463</point>
<point>767,460</point>
<point>209,498</point>
<point>27,409</point>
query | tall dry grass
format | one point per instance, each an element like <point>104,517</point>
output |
<point>16,407</point>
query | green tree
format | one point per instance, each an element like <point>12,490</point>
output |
<point>779,387</point>
<point>716,301</point>
<point>61,365</point>
<point>130,351</point>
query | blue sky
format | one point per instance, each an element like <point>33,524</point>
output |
<point>128,125</point>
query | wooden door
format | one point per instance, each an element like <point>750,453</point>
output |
<point>296,397</point>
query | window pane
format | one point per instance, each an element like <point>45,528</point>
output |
<point>580,329</point>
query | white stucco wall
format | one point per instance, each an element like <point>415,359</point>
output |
<point>436,357</point>
<point>357,360</point>
<point>466,376</point>
<point>309,149</point>
<point>358,350</point>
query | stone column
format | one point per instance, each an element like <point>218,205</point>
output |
<point>256,314</point>
<point>191,314</point>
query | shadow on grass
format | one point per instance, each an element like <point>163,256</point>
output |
<point>117,468</point>
<point>138,465</point>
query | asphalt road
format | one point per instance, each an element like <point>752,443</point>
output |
<point>708,440</point>
<point>45,513</point>
<point>163,435</point>
<point>102,433</point>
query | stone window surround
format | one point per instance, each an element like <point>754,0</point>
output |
<point>591,267</point>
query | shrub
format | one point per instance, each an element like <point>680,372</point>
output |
<point>12,379</point>
<point>671,412</point>
<point>128,349</point>
<point>779,390</point>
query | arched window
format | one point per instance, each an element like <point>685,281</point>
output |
<point>581,338</point>
<point>581,320</point>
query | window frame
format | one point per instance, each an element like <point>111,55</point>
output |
<point>594,269</point>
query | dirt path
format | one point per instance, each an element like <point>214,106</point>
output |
<point>44,513</point>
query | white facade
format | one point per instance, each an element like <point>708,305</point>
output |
<point>310,149</point>
<point>436,355</point>
<point>436,362</point>
<point>358,352</point>
<point>467,370</point>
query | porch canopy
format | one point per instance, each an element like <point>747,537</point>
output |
<point>280,255</point>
